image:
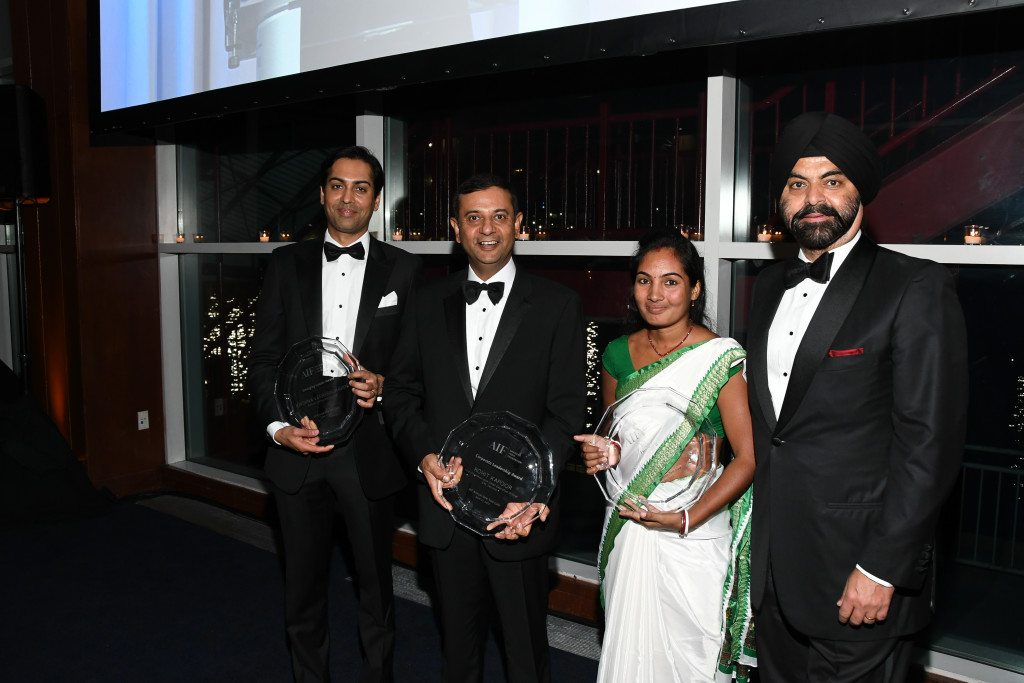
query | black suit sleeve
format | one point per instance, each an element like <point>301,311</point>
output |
<point>566,385</point>
<point>269,343</point>
<point>404,391</point>
<point>929,356</point>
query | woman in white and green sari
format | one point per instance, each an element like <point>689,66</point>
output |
<point>674,584</point>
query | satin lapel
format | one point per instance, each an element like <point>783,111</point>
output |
<point>455,322</point>
<point>308,267</point>
<point>831,314</point>
<point>515,310</point>
<point>761,317</point>
<point>375,279</point>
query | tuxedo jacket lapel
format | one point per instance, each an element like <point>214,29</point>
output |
<point>761,316</point>
<point>308,267</point>
<point>455,323</point>
<point>828,318</point>
<point>375,279</point>
<point>515,309</point>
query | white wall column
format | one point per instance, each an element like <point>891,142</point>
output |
<point>719,190</point>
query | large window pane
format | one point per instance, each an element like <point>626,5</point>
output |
<point>219,293</point>
<point>980,591</point>
<point>257,171</point>
<point>597,159</point>
<point>940,100</point>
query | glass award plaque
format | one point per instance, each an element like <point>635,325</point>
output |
<point>504,460</point>
<point>312,381</point>
<point>653,430</point>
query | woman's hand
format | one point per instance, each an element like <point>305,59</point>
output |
<point>651,517</point>
<point>599,453</point>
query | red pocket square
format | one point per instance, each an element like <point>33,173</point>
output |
<point>837,353</point>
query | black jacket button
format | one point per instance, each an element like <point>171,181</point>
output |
<point>776,441</point>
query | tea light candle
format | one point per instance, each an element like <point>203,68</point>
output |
<point>264,235</point>
<point>972,234</point>
<point>764,234</point>
<point>684,230</point>
<point>197,237</point>
<point>696,235</point>
<point>179,238</point>
<point>397,236</point>
<point>286,236</point>
<point>523,236</point>
<point>777,236</point>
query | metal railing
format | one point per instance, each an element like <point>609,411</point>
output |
<point>990,516</point>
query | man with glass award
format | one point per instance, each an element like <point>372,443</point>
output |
<point>857,373</point>
<point>327,321</point>
<point>489,372</point>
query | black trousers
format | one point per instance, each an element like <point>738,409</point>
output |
<point>332,491</point>
<point>785,655</point>
<point>469,583</point>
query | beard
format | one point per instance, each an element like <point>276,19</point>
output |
<point>822,234</point>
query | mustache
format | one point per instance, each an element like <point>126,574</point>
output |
<point>822,208</point>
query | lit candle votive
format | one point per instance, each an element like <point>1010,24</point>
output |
<point>974,234</point>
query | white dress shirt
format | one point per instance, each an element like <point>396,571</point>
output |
<point>341,285</point>
<point>341,282</point>
<point>791,320</point>
<point>794,314</point>
<point>482,318</point>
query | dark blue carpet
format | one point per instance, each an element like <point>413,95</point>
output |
<point>138,595</point>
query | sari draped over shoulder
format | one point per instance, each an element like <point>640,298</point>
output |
<point>677,608</point>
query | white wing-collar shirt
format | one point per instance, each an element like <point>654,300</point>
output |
<point>482,318</point>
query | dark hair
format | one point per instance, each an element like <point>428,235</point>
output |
<point>482,181</point>
<point>359,153</point>
<point>693,265</point>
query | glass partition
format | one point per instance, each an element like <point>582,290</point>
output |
<point>607,160</point>
<point>941,101</point>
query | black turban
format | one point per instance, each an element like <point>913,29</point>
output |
<point>818,134</point>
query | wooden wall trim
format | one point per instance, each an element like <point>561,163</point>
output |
<point>93,277</point>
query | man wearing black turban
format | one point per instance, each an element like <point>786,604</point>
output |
<point>856,369</point>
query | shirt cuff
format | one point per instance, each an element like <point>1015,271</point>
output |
<point>873,577</point>
<point>272,429</point>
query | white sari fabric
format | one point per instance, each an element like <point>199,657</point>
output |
<point>663,594</point>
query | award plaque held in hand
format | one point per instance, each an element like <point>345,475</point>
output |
<point>312,381</point>
<point>504,460</point>
<point>657,433</point>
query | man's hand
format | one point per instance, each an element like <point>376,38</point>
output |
<point>305,439</point>
<point>366,386</point>
<point>520,526</point>
<point>863,601</point>
<point>598,452</point>
<point>439,478</point>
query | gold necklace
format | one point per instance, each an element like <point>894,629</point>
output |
<point>662,355</point>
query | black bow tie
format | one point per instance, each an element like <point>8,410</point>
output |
<point>819,271</point>
<point>332,251</point>
<point>471,290</point>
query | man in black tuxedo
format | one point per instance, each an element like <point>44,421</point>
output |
<point>493,338</point>
<point>353,288</point>
<point>856,372</point>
